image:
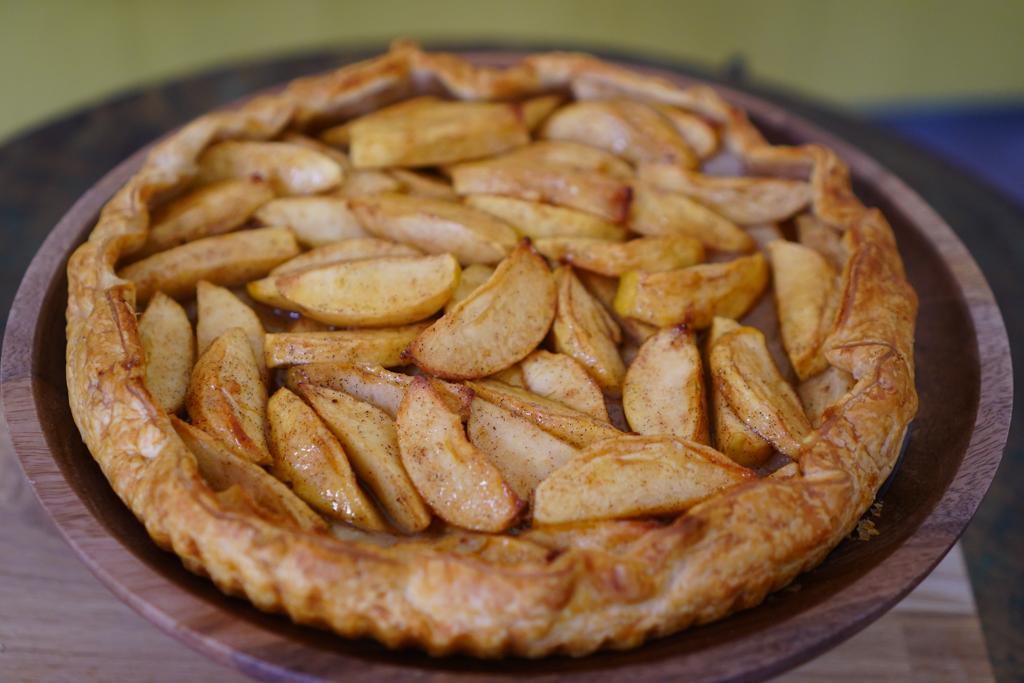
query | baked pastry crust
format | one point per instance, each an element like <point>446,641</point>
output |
<point>547,590</point>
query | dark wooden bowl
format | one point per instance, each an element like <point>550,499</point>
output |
<point>964,380</point>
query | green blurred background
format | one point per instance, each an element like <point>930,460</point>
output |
<point>58,54</point>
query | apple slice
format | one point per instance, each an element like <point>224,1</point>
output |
<point>536,109</point>
<point>700,136</point>
<point>473,277</point>
<point>316,221</point>
<point>227,398</point>
<point>524,453</point>
<point>496,326</point>
<point>348,249</point>
<point>663,392</point>
<point>649,254</point>
<point>536,220</point>
<point>693,295</point>
<point>169,349</point>
<point>370,440</point>
<point>453,476</point>
<point>634,476</point>
<point>659,212</point>
<point>222,471</point>
<point>585,331</point>
<point>561,378</point>
<point>309,457</point>
<point>572,155</point>
<point>383,346</point>
<point>290,169</point>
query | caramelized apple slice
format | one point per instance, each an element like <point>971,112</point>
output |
<point>693,295</point>
<point>170,351</point>
<point>561,378</point>
<point>309,457</point>
<point>524,453</point>
<point>370,440</point>
<point>209,210</point>
<point>559,420</point>
<point>435,132</point>
<point>437,226</point>
<point>496,326</point>
<point>572,155</point>
<point>734,438</point>
<point>663,392</point>
<point>228,260</point>
<point>355,347</point>
<point>595,193</point>
<point>290,169</point>
<point>222,471</point>
<point>743,200</point>
<point>373,384</point>
<point>649,254</point>
<point>217,311</point>
<point>316,221</point>
<point>604,289</point>
<point>745,374</point>
<point>227,399</point>
<point>633,130</point>
<point>354,249</point>
<point>634,476</point>
<point>805,299</point>
<point>452,475</point>
<point>391,290</point>
<point>584,330</point>
<point>536,220</point>
<point>659,212</point>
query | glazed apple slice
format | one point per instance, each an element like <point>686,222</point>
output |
<point>560,378</point>
<point>453,476</point>
<point>585,331</point>
<point>290,169</point>
<point>217,311</point>
<point>384,346</point>
<point>536,220</point>
<point>170,351</point>
<point>316,221</point>
<point>309,457</point>
<point>634,476</point>
<point>494,327</point>
<point>649,254</point>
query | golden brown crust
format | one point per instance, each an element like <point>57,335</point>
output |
<point>494,596</point>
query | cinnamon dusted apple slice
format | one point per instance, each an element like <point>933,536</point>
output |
<point>437,226</point>
<point>693,295</point>
<point>453,476</point>
<point>290,169</point>
<point>559,420</point>
<point>649,254</point>
<point>350,249</point>
<point>227,260</point>
<point>316,221</point>
<point>634,476</point>
<point>373,384</point>
<point>700,136</point>
<point>473,276</point>
<point>223,471</point>
<point>308,456</point>
<point>560,378</point>
<point>805,299</point>
<point>633,130</point>
<point>589,191</point>
<point>434,132</point>
<point>663,392</point>
<point>209,210</point>
<point>604,289</point>
<point>496,326</point>
<point>573,155</point>
<point>170,351</point>
<point>536,109</point>
<point>370,440</point>
<point>660,212</point>
<point>217,311</point>
<point>536,220</point>
<point>524,453</point>
<point>391,290</point>
<point>357,347</point>
<point>227,399</point>
<point>584,330</point>
<point>734,438</point>
<point>744,200</point>
<point>744,373</point>
<point>819,393</point>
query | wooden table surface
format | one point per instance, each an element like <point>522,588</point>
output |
<point>57,622</point>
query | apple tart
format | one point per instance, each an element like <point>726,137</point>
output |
<point>503,361</point>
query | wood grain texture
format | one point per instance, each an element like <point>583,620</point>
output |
<point>965,405</point>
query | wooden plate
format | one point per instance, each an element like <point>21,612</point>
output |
<point>964,380</point>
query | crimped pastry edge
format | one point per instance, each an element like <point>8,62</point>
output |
<point>723,555</point>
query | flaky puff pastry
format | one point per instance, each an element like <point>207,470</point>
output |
<point>610,584</point>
